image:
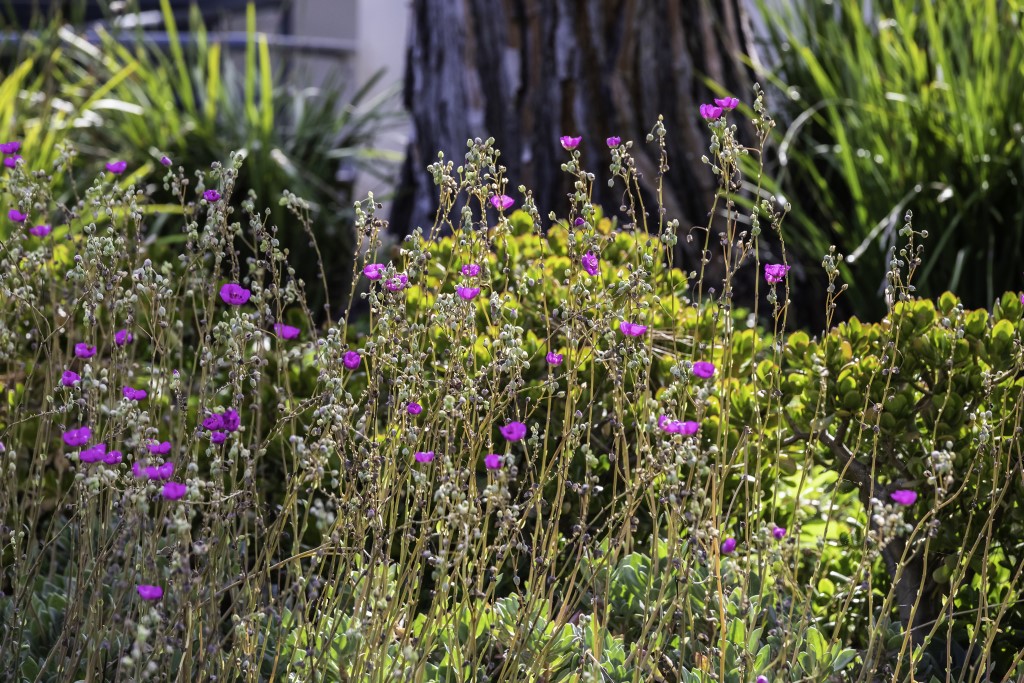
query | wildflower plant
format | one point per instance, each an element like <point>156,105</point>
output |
<point>588,469</point>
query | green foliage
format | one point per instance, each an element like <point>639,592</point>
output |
<point>904,105</point>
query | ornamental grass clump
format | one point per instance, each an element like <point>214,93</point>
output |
<point>595,467</point>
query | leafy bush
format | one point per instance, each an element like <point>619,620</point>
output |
<point>537,457</point>
<point>904,105</point>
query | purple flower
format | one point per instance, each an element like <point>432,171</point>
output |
<point>218,437</point>
<point>492,461</point>
<point>570,143</point>
<point>16,216</point>
<point>12,161</point>
<point>688,428</point>
<point>352,359</point>
<point>424,456</point>
<point>632,329</point>
<point>12,147</point>
<point>122,337</point>
<point>215,421</point>
<point>233,294</point>
<point>165,160</point>
<point>286,331</point>
<point>160,447</point>
<point>761,679</point>
<point>77,437</point>
<point>590,263</point>
<point>173,490</point>
<point>397,283</point>
<point>211,195</point>
<point>134,394</point>
<point>414,408</point>
<point>471,270</point>
<point>117,167</point>
<point>373,271</point>
<point>230,420</point>
<point>112,458</point>
<point>904,496</point>
<point>710,112</point>
<point>729,545</point>
<point>502,202</point>
<point>779,532</point>
<point>148,592</point>
<point>467,293</point>
<point>40,230</point>
<point>554,358</point>
<point>580,220</point>
<point>69,378</point>
<point>513,431</point>
<point>703,369</point>
<point>138,471</point>
<point>775,272</point>
<point>727,103</point>
<point>160,472</point>
<point>83,350</point>
<point>93,454</point>
<point>613,141</point>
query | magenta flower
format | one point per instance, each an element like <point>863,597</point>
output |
<point>710,112</point>
<point>12,147</point>
<point>397,283</point>
<point>16,216</point>
<point>122,337</point>
<point>230,420</point>
<point>632,329</point>
<point>233,294</point>
<point>160,472</point>
<point>688,427</point>
<point>590,263</point>
<point>904,496</point>
<point>286,331</point>
<point>471,270</point>
<point>215,421</point>
<point>414,408</point>
<point>424,456</point>
<point>493,461</point>
<point>775,272</point>
<point>727,103</point>
<point>117,167</point>
<point>554,358</point>
<point>761,679</point>
<point>218,437</point>
<point>703,369</point>
<point>779,532</point>
<point>12,161</point>
<point>160,447</point>
<point>174,491</point>
<point>580,220</point>
<point>165,160</point>
<point>352,359</point>
<point>211,195</point>
<point>729,545</point>
<point>467,293</point>
<point>148,592</point>
<point>93,454</point>
<point>69,378</point>
<point>138,471</point>
<point>40,230</point>
<point>83,350</point>
<point>569,142</point>
<point>134,394</point>
<point>77,437</point>
<point>373,271</point>
<point>613,141</point>
<point>502,202</point>
<point>513,431</point>
<point>112,458</point>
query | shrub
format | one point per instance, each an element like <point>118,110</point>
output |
<point>426,492</point>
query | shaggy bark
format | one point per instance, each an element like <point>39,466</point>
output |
<point>529,71</point>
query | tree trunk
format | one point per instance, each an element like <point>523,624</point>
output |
<point>529,71</point>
